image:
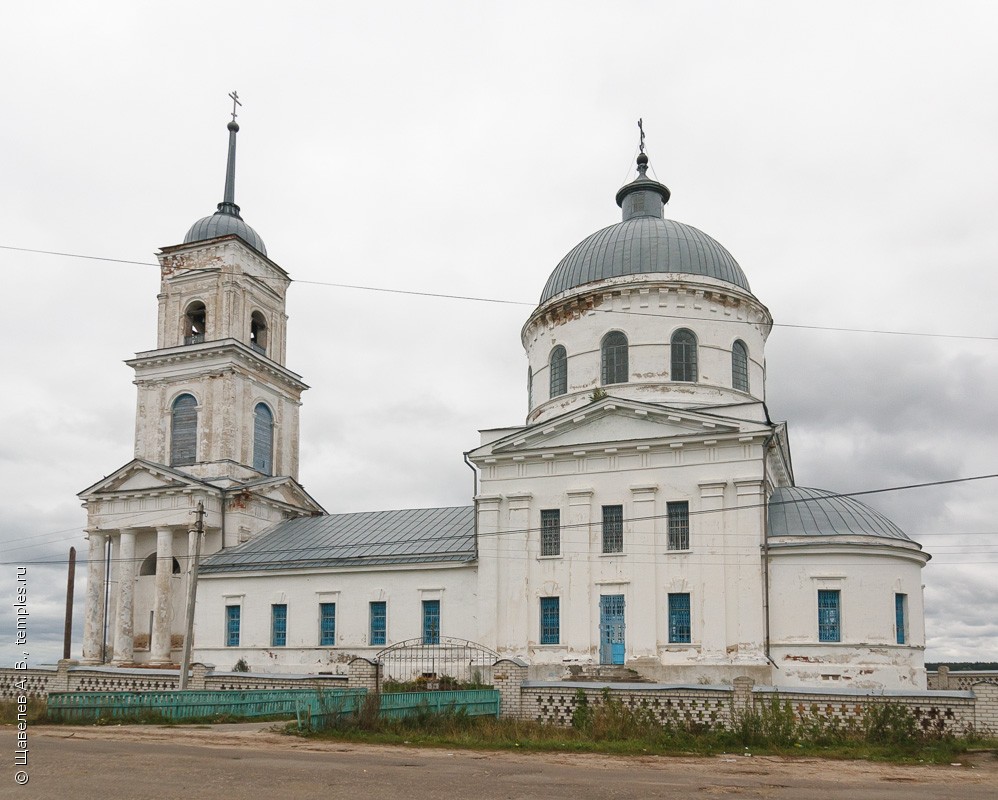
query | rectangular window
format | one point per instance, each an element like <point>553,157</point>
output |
<point>327,624</point>
<point>379,622</point>
<point>829,619</point>
<point>431,622</point>
<point>278,624</point>
<point>613,529</point>
<point>679,525</point>
<point>550,532</point>
<point>232,626</point>
<point>550,620</point>
<point>679,618</point>
<point>901,617</point>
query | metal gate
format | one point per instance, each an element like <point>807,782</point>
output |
<point>444,664</point>
<point>611,629</point>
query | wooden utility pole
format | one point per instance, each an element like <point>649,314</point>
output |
<point>67,634</point>
<point>192,588</point>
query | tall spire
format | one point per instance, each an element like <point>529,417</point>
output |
<point>642,197</point>
<point>228,204</point>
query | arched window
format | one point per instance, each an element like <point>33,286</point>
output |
<point>684,356</point>
<point>559,371</point>
<point>263,439</point>
<point>613,353</point>
<point>739,366</point>
<point>184,431</point>
<point>148,566</point>
<point>258,332</point>
<point>195,322</point>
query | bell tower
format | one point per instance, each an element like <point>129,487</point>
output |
<point>215,398</point>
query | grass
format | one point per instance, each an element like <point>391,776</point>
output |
<point>887,732</point>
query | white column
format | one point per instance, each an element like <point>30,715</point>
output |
<point>161,625</point>
<point>93,623</point>
<point>124,636</point>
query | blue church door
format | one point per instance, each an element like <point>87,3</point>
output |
<point>611,629</point>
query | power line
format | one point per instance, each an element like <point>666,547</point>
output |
<point>500,301</point>
<point>590,524</point>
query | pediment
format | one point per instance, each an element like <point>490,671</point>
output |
<point>285,492</point>
<point>613,421</point>
<point>140,476</point>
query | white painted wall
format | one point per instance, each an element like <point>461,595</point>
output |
<point>402,587</point>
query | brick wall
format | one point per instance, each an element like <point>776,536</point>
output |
<point>945,679</point>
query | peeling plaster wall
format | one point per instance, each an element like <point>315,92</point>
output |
<point>715,311</point>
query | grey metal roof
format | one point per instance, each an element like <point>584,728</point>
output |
<point>798,511</point>
<point>408,536</point>
<point>641,245</point>
<point>222,224</point>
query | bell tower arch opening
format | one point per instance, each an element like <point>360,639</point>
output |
<point>258,332</point>
<point>195,323</point>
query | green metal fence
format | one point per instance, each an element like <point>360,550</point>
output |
<point>198,704</point>
<point>320,712</point>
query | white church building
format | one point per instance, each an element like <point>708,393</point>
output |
<point>645,516</point>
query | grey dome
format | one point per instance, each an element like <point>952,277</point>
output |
<point>797,511</point>
<point>642,245</point>
<point>223,224</point>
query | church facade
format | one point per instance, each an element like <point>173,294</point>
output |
<point>644,516</point>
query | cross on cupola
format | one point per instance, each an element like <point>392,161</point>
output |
<point>642,197</point>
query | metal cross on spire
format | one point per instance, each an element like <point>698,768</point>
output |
<point>641,128</point>
<point>235,102</point>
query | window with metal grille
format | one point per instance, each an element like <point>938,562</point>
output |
<point>550,620</point>
<point>327,624</point>
<point>680,631</point>
<point>901,617</point>
<point>263,439</point>
<point>613,529</point>
<point>684,356</point>
<point>232,626</point>
<point>739,366</point>
<point>431,622</point>
<point>278,624</point>
<point>558,371</point>
<point>678,515</point>
<point>613,352</point>
<point>550,532</point>
<point>184,431</point>
<point>379,622</point>
<point>829,619</point>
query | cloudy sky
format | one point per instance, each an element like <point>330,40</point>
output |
<point>848,160</point>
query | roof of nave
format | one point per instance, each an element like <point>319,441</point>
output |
<point>406,536</point>
<point>798,511</point>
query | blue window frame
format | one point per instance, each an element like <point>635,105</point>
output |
<point>550,620</point>
<point>829,618</point>
<point>232,626</point>
<point>739,366</point>
<point>550,532</point>
<point>558,377</point>
<point>431,622</point>
<point>901,617</point>
<point>379,622</point>
<point>678,515</point>
<point>684,356</point>
<point>613,358</point>
<point>680,630</point>
<point>184,431</point>
<point>278,624</point>
<point>263,439</point>
<point>327,624</point>
<point>613,529</point>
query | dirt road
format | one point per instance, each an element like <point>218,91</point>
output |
<point>250,762</point>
